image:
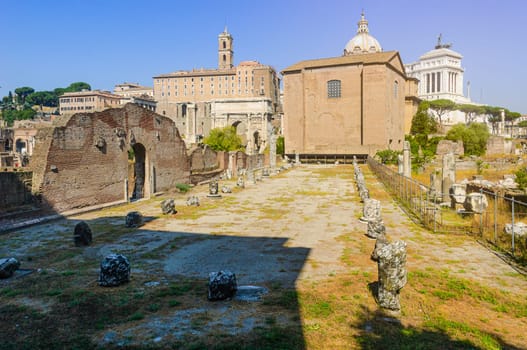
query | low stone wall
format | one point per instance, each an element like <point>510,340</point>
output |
<point>203,159</point>
<point>15,190</point>
<point>499,145</point>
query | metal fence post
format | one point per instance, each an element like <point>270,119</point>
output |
<point>435,228</point>
<point>495,217</point>
<point>481,216</point>
<point>512,226</point>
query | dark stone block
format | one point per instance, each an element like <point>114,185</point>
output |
<point>222,285</point>
<point>134,219</point>
<point>82,235</point>
<point>8,266</point>
<point>115,270</point>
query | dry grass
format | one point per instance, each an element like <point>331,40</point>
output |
<point>440,310</point>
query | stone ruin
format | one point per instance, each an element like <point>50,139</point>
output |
<point>407,159</point>
<point>86,148</point>
<point>375,228</point>
<point>371,210</point>
<point>476,203</point>
<point>193,200</point>
<point>168,207</point>
<point>222,285</point>
<point>115,270</point>
<point>133,219</point>
<point>458,194</point>
<point>226,189</point>
<point>240,182</point>
<point>448,175</point>
<point>519,229</point>
<point>8,266</point>
<point>213,189</point>
<point>391,263</point>
<point>82,235</point>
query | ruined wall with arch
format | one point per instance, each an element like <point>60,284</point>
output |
<point>83,160</point>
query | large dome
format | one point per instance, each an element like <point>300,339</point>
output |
<point>363,42</point>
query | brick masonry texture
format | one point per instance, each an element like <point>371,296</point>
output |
<point>83,160</point>
<point>15,189</point>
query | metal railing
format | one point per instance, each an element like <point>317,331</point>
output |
<point>501,224</point>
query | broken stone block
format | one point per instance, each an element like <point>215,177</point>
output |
<point>8,266</point>
<point>240,182</point>
<point>115,270</point>
<point>134,219</point>
<point>168,206</point>
<point>213,187</point>
<point>458,194</point>
<point>476,203</point>
<point>392,274</point>
<point>82,235</point>
<point>371,210</point>
<point>375,228</point>
<point>226,189</point>
<point>379,243</point>
<point>222,285</point>
<point>193,200</point>
<point>519,229</point>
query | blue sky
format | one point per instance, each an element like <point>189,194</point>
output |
<point>52,43</point>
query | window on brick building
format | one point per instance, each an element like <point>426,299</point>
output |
<point>334,89</point>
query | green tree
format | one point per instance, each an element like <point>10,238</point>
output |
<point>22,93</point>
<point>442,107</point>
<point>224,139</point>
<point>521,178</point>
<point>471,112</point>
<point>422,122</point>
<point>43,98</point>
<point>280,145</point>
<point>12,114</point>
<point>474,137</point>
<point>78,86</point>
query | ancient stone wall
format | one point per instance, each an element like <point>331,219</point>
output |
<point>15,189</point>
<point>447,146</point>
<point>83,160</point>
<point>202,158</point>
<point>499,145</point>
<point>204,164</point>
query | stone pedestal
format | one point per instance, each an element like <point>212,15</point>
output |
<point>407,160</point>
<point>392,274</point>
<point>448,175</point>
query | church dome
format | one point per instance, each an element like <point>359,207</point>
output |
<point>363,42</point>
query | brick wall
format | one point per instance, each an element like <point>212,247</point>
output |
<point>202,158</point>
<point>83,161</point>
<point>15,189</point>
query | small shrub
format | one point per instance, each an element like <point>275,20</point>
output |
<point>183,187</point>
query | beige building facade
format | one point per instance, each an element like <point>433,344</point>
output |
<point>202,99</point>
<point>348,105</point>
<point>87,101</point>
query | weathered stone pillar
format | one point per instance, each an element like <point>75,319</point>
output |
<point>272,152</point>
<point>392,274</point>
<point>232,163</point>
<point>400,164</point>
<point>371,210</point>
<point>448,176</point>
<point>297,158</point>
<point>407,161</point>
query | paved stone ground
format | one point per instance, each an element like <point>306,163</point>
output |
<point>284,229</point>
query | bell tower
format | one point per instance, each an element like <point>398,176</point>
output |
<point>225,53</point>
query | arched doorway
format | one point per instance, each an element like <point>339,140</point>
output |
<point>137,171</point>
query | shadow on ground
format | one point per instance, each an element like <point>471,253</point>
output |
<point>380,330</point>
<point>60,305</point>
